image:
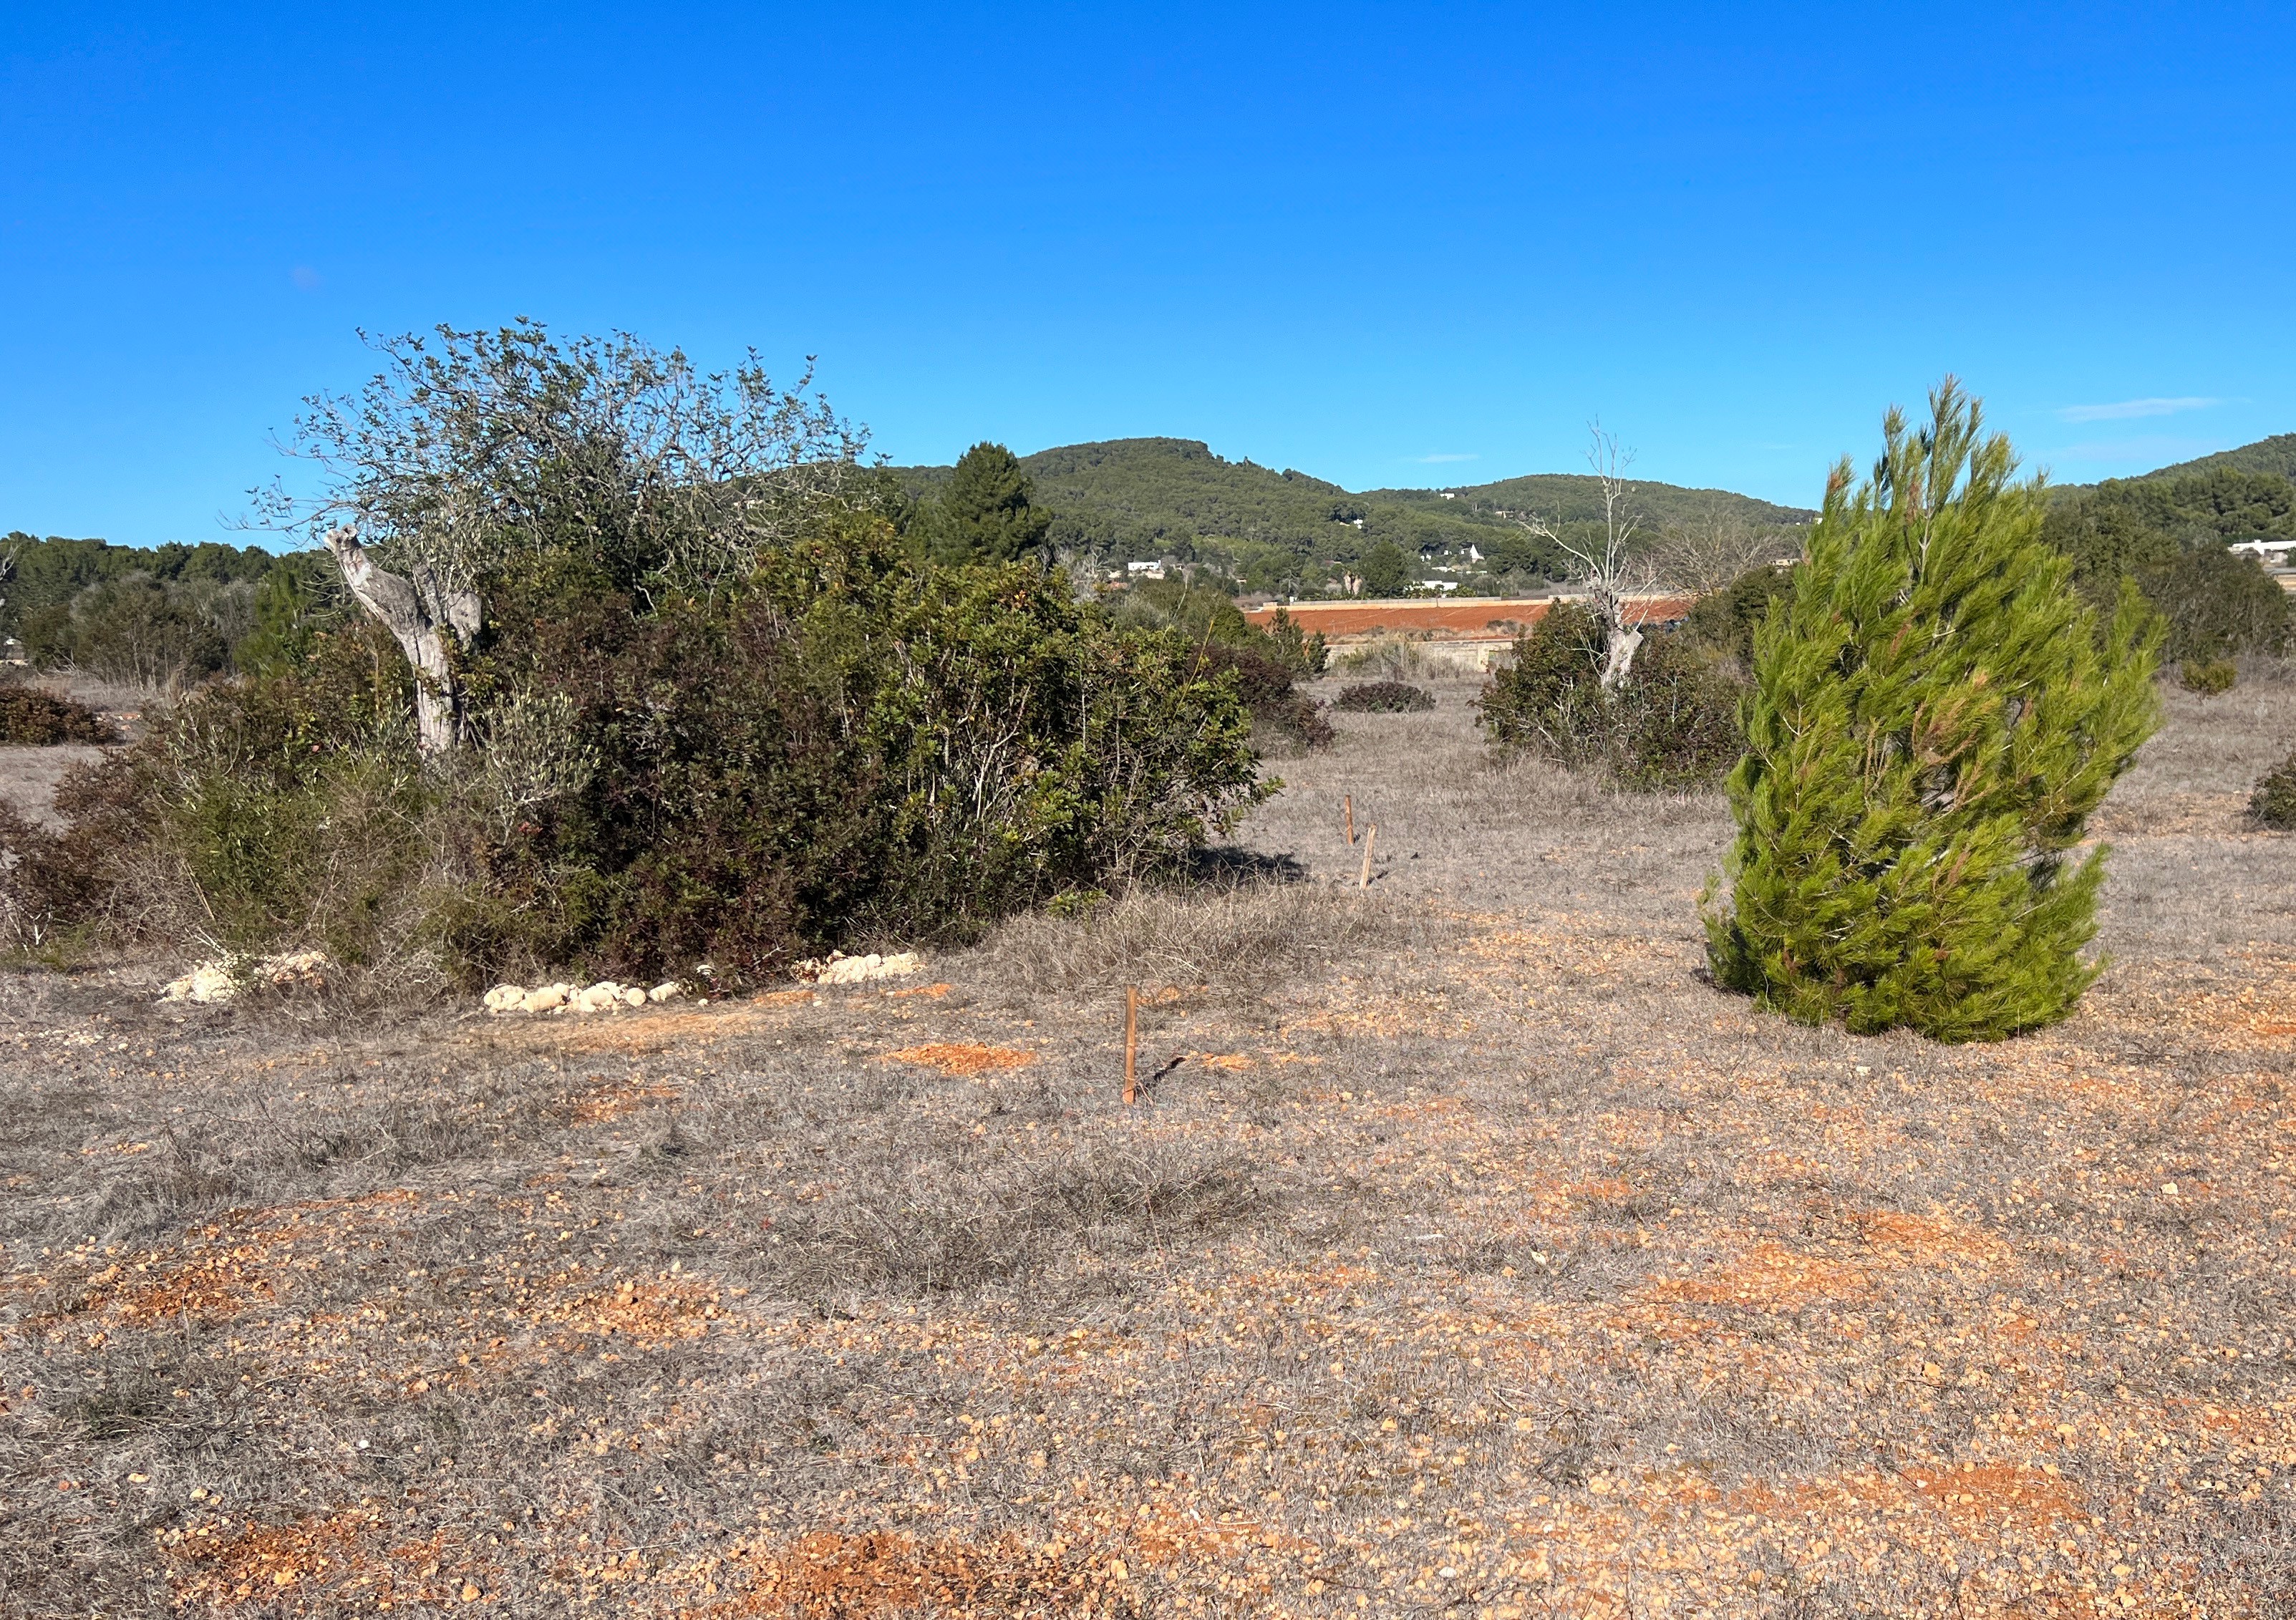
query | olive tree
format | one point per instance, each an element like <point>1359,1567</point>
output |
<point>472,455</point>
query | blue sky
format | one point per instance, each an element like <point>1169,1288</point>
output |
<point>1385,246</point>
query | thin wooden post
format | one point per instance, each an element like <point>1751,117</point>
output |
<point>1370,833</point>
<point>1349,803</point>
<point>1131,1044</point>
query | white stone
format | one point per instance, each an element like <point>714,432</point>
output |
<point>207,983</point>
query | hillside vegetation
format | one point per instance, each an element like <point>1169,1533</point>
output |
<point>2276,455</point>
<point>1135,499</point>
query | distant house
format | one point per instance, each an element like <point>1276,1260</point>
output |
<point>1144,570</point>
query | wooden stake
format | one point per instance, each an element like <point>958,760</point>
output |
<point>1349,802</point>
<point>1131,1044</point>
<point>1370,833</point>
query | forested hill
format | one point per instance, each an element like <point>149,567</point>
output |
<point>1141,498</point>
<point>2276,455</point>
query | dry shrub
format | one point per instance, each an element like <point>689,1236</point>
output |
<point>32,717</point>
<point>2209,677</point>
<point>1385,697</point>
<point>1387,658</point>
<point>1233,941</point>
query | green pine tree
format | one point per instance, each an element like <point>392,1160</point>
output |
<point>986,513</point>
<point>1937,713</point>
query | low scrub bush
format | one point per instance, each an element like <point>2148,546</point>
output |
<point>1278,708</point>
<point>2274,803</point>
<point>1385,697</point>
<point>1673,723</point>
<point>849,745</point>
<point>31,717</point>
<point>2216,604</point>
<point>2209,677</point>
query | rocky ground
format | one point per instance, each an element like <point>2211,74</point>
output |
<point>1467,1252</point>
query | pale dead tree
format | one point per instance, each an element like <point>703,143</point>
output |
<point>475,456</point>
<point>1715,547</point>
<point>1610,569</point>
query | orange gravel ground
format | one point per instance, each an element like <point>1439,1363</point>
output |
<point>1560,1283</point>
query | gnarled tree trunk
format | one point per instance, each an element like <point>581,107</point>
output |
<point>420,614</point>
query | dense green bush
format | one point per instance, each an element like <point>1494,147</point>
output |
<point>1937,713</point>
<point>1673,723</point>
<point>1384,698</point>
<point>2170,535</point>
<point>1726,619</point>
<point>2209,677</point>
<point>30,717</point>
<point>2216,604</point>
<point>848,746</point>
<point>2274,803</point>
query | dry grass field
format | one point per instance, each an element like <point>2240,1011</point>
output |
<point>1468,1254</point>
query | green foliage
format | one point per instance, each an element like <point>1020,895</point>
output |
<point>1725,620</point>
<point>1384,698</point>
<point>30,717</point>
<point>2168,534</point>
<point>1145,498</point>
<point>2273,804</point>
<point>1937,712</point>
<point>2276,455</point>
<point>985,514</point>
<point>44,576</point>
<point>1386,571</point>
<point>138,630</point>
<point>1304,652</point>
<point>2216,604</point>
<point>296,600</point>
<point>2211,679</point>
<point>846,746</point>
<point>1673,723</point>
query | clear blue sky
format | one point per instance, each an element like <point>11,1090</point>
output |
<point>1384,245</point>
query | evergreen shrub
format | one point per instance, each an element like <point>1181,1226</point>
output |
<point>2274,803</point>
<point>848,746</point>
<point>2209,677</point>
<point>1672,724</point>
<point>1937,712</point>
<point>31,717</point>
<point>1384,698</point>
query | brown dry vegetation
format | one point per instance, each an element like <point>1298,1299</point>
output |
<point>1468,1254</point>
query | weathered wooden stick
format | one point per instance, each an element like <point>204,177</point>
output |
<point>1370,833</point>
<point>1349,802</point>
<point>1131,1044</point>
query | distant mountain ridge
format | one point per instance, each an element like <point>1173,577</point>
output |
<point>1143,499</point>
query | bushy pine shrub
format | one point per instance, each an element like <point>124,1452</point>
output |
<point>2274,803</point>
<point>1673,723</point>
<point>31,717</point>
<point>1384,698</point>
<point>1937,712</point>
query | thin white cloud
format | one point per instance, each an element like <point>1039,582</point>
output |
<point>1449,456</point>
<point>2128,409</point>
